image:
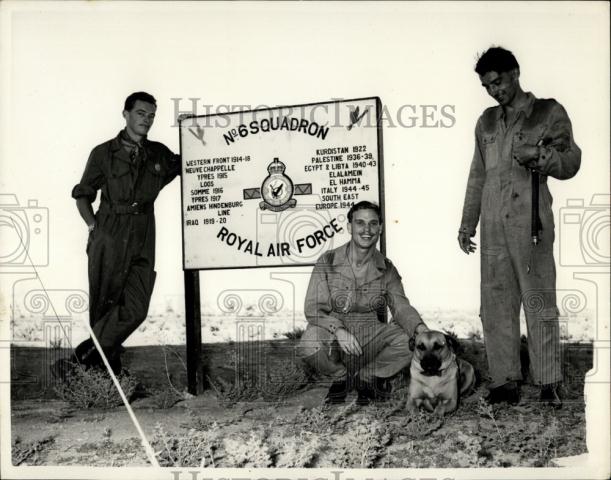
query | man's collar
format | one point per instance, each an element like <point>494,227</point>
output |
<point>117,142</point>
<point>341,257</point>
<point>526,107</point>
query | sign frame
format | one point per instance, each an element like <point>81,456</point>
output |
<point>192,284</point>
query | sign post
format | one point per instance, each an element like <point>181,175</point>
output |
<point>271,188</point>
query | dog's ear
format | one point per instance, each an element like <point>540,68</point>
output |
<point>412,343</point>
<point>452,342</point>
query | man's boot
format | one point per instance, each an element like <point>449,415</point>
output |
<point>377,391</point>
<point>338,391</point>
<point>64,368</point>
<point>508,392</point>
<point>551,394</point>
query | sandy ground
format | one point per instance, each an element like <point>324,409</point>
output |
<point>241,422</point>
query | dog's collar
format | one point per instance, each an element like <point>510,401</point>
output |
<point>444,366</point>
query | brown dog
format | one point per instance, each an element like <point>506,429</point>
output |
<point>438,377</point>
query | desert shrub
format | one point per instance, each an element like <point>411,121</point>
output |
<point>228,393</point>
<point>462,450</point>
<point>252,384</point>
<point>313,420</point>
<point>284,381</point>
<point>94,389</point>
<point>295,334</point>
<point>29,452</point>
<point>193,448</point>
<point>297,452</point>
<point>416,426</point>
<point>165,398</point>
<point>362,445</point>
<point>251,453</point>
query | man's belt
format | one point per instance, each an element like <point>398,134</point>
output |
<point>124,209</point>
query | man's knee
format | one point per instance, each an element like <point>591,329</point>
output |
<point>398,347</point>
<point>318,349</point>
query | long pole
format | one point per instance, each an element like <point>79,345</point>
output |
<point>193,322</point>
<point>535,221</point>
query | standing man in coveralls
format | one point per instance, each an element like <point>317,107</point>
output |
<point>521,136</point>
<point>348,338</point>
<point>130,170</point>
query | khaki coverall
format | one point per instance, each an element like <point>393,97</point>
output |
<point>514,272</point>
<point>335,299</point>
<point>121,248</point>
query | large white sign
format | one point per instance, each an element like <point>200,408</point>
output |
<point>272,187</point>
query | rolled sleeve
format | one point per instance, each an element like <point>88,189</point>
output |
<point>559,155</point>
<point>317,308</point>
<point>403,313</point>
<point>92,179</point>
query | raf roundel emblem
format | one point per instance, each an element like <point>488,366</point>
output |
<point>277,188</point>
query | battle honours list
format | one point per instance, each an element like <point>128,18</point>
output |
<point>272,187</point>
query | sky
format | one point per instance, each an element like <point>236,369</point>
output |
<point>68,67</point>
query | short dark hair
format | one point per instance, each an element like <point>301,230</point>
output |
<point>496,59</point>
<point>364,205</point>
<point>142,96</point>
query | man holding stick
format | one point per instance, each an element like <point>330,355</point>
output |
<point>518,145</point>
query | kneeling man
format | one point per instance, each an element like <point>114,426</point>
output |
<point>350,289</point>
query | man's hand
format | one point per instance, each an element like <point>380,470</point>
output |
<point>526,155</point>
<point>466,244</point>
<point>421,327</point>
<point>348,342</point>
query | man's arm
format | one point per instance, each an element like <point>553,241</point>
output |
<point>318,310</point>
<point>86,190</point>
<point>556,154</point>
<point>86,211</point>
<point>174,166</point>
<point>559,155</point>
<point>473,198</point>
<point>403,313</point>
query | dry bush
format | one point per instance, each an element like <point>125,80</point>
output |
<point>29,452</point>
<point>295,334</point>
<point>250,384</point>
<point>284,382</point>
<point>193,448</point>
<point>363,444</point>
<point>253,452</point>
<point>94,389</point>
<point>229,393</point>
<point>417,426</point>
<point>297,452</point>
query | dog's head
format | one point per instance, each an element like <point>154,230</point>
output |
<point>431,349</point>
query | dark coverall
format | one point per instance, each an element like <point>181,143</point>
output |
<point>336,299</point>
<point>121,248</point>
<point>513,271</point>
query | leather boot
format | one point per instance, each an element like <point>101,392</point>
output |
<point>338,391</point>
<point>509,392</point>
<point>551,394</point>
